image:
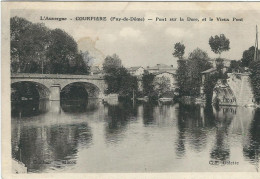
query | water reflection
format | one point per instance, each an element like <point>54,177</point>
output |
<point>146,137</point>
<point>251,148</point>
<point>194,124</point>
<point>29,108</point>
<point>148,113</point>
<point>48,146</point>
<point>117,118</point>
<point>79,106</point>
<point>44,143</point>
<point>223,117</point>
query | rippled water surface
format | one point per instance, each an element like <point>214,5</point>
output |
<point>94,137</point>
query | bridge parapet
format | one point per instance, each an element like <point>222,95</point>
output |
<point>56,76</point>
<point>95,84</point>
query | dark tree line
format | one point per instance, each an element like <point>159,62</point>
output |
<point>38,49</point>
<point>189,70</point>
<point>118,79</point>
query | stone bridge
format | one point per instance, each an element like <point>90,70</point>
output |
<point>50,85</point>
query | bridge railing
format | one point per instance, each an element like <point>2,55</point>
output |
<point>56,76</point>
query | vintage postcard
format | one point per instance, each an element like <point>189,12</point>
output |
<point>130,89</point>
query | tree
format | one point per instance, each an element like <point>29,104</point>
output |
<point>128,86</point>
<point>111,63</point>
<point>248,56</point>
<point>37,49</point>
<point>182,77</point>
<point>198,62</point>
<point>29,42</point>
<point>255,79</point>
<point>182,70</point>
<point>148,87</point>
<point>179,50</point>
<point>235,66</point>
<point>120,81</point>
<point>219,44</point>
<point>209,84</point>
<point>161,85</point>
<point>62,51</point>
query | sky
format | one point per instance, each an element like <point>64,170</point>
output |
<point>148,43</point>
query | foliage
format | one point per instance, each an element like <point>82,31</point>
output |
<point>255,79</point>
<point>148,85</point>
<point>220,66</point>
<point>28,44</point>
<point>182,77</point>
<point>179,50</point>
<point>188,74</point>
<point>36,49</point>
<point>218,44</point>
<point>111,63</point>
<point>198,62</point>
<point>121,82</point>
<point>161,85</point>
<point>209,85</point>
<point>235,66</point>
<point>248,56</point>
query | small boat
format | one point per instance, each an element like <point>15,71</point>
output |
<point>145,99</point>
<point>165,99</point>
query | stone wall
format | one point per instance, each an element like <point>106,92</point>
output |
<point>237,91</point>
<point>241,87</point>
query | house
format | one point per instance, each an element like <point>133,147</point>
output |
<point>161,68</point>
<point>170,76</point>
<point>136,71</point>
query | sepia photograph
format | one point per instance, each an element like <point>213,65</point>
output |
<point>132,90</point>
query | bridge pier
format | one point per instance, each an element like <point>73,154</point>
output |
<point>55,92</point>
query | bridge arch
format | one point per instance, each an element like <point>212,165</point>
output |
<point>29,90</point>
<point>56,82</point>
<point>92,90</point>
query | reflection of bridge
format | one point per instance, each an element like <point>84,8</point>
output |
<point>50,85</point>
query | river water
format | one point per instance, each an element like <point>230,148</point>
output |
<point>74,136</point>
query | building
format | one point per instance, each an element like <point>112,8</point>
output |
<point>159,68</point>
<point>136,71</point>
<point>170,76</point>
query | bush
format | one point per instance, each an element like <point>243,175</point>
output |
<point>255,79</point>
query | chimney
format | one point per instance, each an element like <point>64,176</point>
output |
<point>172,66</point>
<point>147,66</point>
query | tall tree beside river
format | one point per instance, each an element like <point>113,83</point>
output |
<point>37,49</point>
<point>198,62</point>
<point>118,79</point>
<point>255,79</point>
<point>182,75</point>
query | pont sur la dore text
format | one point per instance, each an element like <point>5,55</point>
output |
<point>157,19</point>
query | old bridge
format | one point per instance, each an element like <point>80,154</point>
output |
<point>50,85</point>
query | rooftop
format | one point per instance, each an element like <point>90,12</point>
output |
<point>134,68</point>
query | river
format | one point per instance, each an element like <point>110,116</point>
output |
<point>88,136</point>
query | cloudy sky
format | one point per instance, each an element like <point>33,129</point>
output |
<point>149,43</point>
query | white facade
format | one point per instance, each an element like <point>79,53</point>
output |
<point>170,76</point>
<point>159,68</point>
<point>136,71</point>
